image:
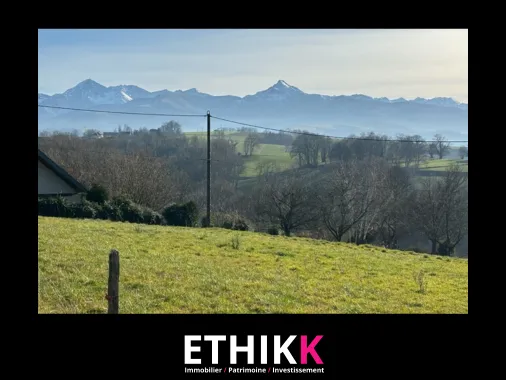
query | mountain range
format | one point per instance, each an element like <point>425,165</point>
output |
<point>280,106</point>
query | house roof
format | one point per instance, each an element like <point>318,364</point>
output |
<point>60,172</point>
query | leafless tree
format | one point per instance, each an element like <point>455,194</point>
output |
<point>392,220</point>
<point>442,146</point>
<point>345,198</point>
<point>286,200</point>
<point>250,143</point>
<point>440,209</point>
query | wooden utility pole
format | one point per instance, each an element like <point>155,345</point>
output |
<point>208,215</point>
<point>113,285</point>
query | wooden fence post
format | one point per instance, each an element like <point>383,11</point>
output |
<point>113,285</point>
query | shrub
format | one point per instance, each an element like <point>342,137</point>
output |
<point>236,243</point>
<point>240,225</point>
<point>85,209</point>
<point>97,194</point>
<point>185,215</point>
<point>109,211</point>
<point>152,217</point>
<point>57,207</point>
<point>118,209</point>
<point>232,222</point>
<point>228,224</point>
<point>272,231</point>
<point>130,211</point>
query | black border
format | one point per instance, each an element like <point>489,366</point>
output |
<point>382,344</point>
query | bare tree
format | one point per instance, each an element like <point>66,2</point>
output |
<point>345,198</point>
<point>250,143</point>
<point>286,200</point>
<point>439,210</point>
<point>393,220</point>
<point>375,199</point>
<point>171,128</point>
<point>442,146</point>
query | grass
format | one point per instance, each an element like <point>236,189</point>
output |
<point>264,153</point>
<point>193,270</point>
<point>441,165</point>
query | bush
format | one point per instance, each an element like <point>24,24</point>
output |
<point>240,225</point>
<point>85,209</point>
<point>130,211</point>
<point>119,209</point>
<point>232,222</point>
<point>272,231</point>
<point>228,224</point>
<point>236,242</point>
<point>152,217</point>
<point>109,211</point>
<point>97,194</point>
<point>57,207</point>
<point>185,215</point>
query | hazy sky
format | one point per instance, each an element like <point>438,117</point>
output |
<point>391,63</point>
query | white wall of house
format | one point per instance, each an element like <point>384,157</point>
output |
<point>50,183</point>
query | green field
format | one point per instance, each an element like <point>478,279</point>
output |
<point>195,270</point>
<point>264,153</point>
<point>443,164</point>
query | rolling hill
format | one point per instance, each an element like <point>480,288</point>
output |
<point>194,270</point>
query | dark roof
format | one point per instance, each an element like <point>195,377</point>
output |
<point>60,172</point>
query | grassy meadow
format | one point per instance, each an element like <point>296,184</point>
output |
<point>194,270</point>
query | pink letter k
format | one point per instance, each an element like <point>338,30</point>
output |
<point>305,349</point>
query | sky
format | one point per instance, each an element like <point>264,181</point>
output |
<point>393,63</point>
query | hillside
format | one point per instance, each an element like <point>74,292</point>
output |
<point>194,270</point>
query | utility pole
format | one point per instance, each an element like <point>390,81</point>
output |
<point>208,217</point>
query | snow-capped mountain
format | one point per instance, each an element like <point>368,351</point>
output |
<point>280,91</point>
<point>279,106</point>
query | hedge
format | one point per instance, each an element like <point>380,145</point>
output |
<point>118,209</point>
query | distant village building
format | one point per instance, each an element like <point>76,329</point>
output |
<point>54,180</point>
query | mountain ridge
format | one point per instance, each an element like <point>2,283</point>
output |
<point>280,106</point>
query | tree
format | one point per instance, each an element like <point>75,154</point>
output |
<point>250,143</point>
<point>307,148</point>
<point>393,221</point>
<point>442,146</point>
<point>439,210</point>
<point>463,152</point>
<point>345,198</point>
<point>340,151</point>
<point>171,128</point>
<point>432,150</point>
<point>286,200</point>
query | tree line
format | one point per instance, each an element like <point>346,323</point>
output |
<point>364,194</point>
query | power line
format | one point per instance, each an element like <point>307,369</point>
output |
<point>332,137</point>
<point>119,112</point>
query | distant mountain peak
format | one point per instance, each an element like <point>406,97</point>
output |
<point>280,90</point>
<point>282,83</point>
<point>89,82</point>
